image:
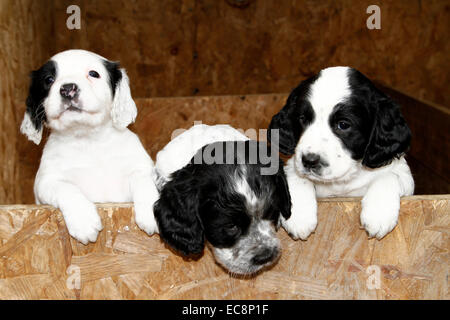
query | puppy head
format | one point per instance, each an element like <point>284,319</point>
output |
<point>235,208</point>
<point>336,122</point>
<point>77,89</point>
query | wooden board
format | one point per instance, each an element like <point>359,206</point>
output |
<point>39,260</point>
<point>24,45</point>
<point>204,47</point>
<point>430,127</point>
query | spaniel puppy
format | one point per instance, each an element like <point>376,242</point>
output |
<point>230,194</point>
<point>347,138</point>
<point>90,155</point>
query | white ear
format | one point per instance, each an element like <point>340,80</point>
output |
<point>27,128</point>
<point>124,109</point>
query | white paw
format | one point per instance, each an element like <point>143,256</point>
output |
<point>83,222</point>
<point>379,220</point>
<point>302,222</point>
<point>145,219</point>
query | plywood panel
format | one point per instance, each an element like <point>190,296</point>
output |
<point>160,118</point>
<point>125,263</point>
<point>206,47</point>
<point>24,44</point>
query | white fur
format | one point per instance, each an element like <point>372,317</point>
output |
<point>241,186</point>
<point>27,128</point>
<point>178,152</point>
<point>91,156</point>
<point>380,188</point>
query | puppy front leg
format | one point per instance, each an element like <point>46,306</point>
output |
<point>144,194</point>
<point>303,219</point>
<point>381,205</point>
<point>80,214</point>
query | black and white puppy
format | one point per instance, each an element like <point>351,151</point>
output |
<point>222,194</point>
<point>347,138</point>
<point>90,155</point>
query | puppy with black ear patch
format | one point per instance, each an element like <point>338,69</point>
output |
<point>347,138</point>
<point>90,155</point>
<point>229,193</point>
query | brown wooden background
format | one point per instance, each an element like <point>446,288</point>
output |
<point>211,47</point>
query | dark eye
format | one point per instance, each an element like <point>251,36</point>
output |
<point>231,230</point>
<point>302,118</point>
<point>94,74</point>
<point>343,125</point>
<point>49,80</point>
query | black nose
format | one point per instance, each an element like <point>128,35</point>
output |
<point>69,91</point>
<point>311,160</point>
<point>264,256</point>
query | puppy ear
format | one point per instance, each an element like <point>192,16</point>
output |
<point>390,137</point>
<point>283,194</point>
<point>176,213</point>
<point>29,128</point>
<point>32,124</point>
<point>123,111</point>
<point>288,134</point>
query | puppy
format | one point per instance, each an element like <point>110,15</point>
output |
<point>90,155</point>
<point>347,138</point>
<point>230,193</point>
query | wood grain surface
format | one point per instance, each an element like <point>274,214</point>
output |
<point>39,260</point>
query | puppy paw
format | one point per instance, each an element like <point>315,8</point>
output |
<point>83,222</point>
<point>301,223</point>
<point>378,220</point>
<point>145,219</point>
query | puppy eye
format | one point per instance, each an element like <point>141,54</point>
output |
<point>94,74</point>
<point>49,80</point>
<point>302,118</point>
<point>231,230</point>
<point>343,125</point>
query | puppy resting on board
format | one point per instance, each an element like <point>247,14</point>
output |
<point>221,187</point>
<point>347,138</point>
<point>90,155</point>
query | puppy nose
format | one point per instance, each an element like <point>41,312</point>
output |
<point>69,90</point>
<point>264,256</point>
<point>311,160</point>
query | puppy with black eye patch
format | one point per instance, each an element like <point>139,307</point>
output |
<point>90,155</point>
<point>229,201</point>
<point>347,138</point>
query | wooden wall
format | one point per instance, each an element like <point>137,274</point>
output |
<point>210,47</point>
<point>206,47</point>
<point>25,39</point>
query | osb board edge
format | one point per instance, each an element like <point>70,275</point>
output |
<point>128,204</point>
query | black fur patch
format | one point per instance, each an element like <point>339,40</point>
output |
<point>38,91</point>
<point>381,125</point>
<point>115,75</point>
<point>296,115</point>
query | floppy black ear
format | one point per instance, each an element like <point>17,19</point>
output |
<point>41,82</point>
<point>287,121</point>
<point>283,194</point>
<point>390,137</point>
<point>176,213</point>
<point>288,132</point>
